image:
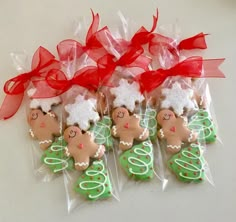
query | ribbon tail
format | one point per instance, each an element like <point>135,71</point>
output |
<point>211,68</point>
<point>10,106</point>
<point>195,42</point>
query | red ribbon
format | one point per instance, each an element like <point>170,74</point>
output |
<point>42,62</point>
<point>70,49</point>
<point>194,67</point>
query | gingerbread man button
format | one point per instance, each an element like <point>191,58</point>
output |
<point>127,128</point>
<point>43,127</point>
<point>81,147</point>
<point>174,130</point>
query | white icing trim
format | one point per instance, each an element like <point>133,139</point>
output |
<point>190,136</point>
<point>114,130</point>
<point>174,146</point>
<point>143,133</point>
<point>140,163</point>
<point>51,114</point>
<point>97,184</point>
<point>81,164</point>
<point>31,133</point>
<point>126,143</point>
<point>162,133</point>
<point>136,116</point>
<point>67,151</point>
<point>45,141</point>
<point>100,149</point>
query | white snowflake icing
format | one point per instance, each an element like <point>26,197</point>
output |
<point>127,94</point>
<point>45,104</point>
<point>177,98</point>
<point>82,112</point>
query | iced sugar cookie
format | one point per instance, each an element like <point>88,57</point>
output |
<point>94,183</point>
<point>138,161</point>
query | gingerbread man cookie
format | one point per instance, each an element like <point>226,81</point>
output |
<point>81,147</point>
<point>43,127</point>
<point>127,128</point>
<point>174,130</point>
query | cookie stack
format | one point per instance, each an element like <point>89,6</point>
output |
<point>105,109</point>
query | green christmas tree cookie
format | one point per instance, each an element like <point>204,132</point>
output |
<point>55,159</point>
<point>204,126</point>
<point>138,161</point>
<point>94,183</point>
<point>188,164</point>
<point>102,132</point>
<point>148,120</point>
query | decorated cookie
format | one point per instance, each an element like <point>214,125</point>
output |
<point>44,127</point>
<point>148,120</point>
<point>82,112</point>
<point>127,128</point>
<point>188,165</point>
<point>202,123</point>
<point>102,132</point>
<point>177,98</point>
<point>127,94</point>
<point>94,183</point>
<point>81,147</point>
<point>45,104</point>
<point>138,161</point>
<point>55,158</point>
<point>174,130</point>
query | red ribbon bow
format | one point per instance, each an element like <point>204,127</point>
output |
<point>70,49</point>
<point>42,62</point>
<point>194,67</point>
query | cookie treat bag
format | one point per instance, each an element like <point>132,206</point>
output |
<point>42,110</point>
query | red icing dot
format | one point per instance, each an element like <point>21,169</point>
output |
<point>200,178</point>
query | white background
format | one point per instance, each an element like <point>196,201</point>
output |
<point>28,24</point>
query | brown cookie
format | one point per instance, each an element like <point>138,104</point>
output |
<point>81,147</point>
<point>127,128</point>
<point>43,127</point>
<point>174,130</point>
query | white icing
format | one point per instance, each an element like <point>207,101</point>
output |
<point>126,143</point>
<point>136,116</point>
<point>45,103</point>
<point>127,94</point>
<point>101,184</point>
<point>162,133</point>
<point>45,141</point>
<point>140,163</point>
<point>82,112</point>
<point>81,164</point>
<point>203,131</point>
<point>67,151</point>
<point>114,130</point>
<point>177,98</point>
<point>100,149</point>
<point>143,133</point>
<point>174,146</point>
<point>190,136</point>
<point>190,166</point>
<point>51,114</point>
<point>31,133</point>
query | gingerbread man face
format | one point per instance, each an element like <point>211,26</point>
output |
<point>127,128</point>
<point>81,147</point>
<point>174,130</point>
<point>43,127</point>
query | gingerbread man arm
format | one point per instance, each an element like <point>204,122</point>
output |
<point>126,142</point>
<point>81,163</point>
<point>161,134</point>
<point>115,131</point>
<point>189,136</point>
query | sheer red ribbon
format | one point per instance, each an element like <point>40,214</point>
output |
<point>194,67</point>
<point>70,49</point>
<point>42,62</point>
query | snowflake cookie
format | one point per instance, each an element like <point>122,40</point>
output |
<point>127,94</point>
<point>45,104</point>
<point>177,98</point>
<point>82,112</point>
